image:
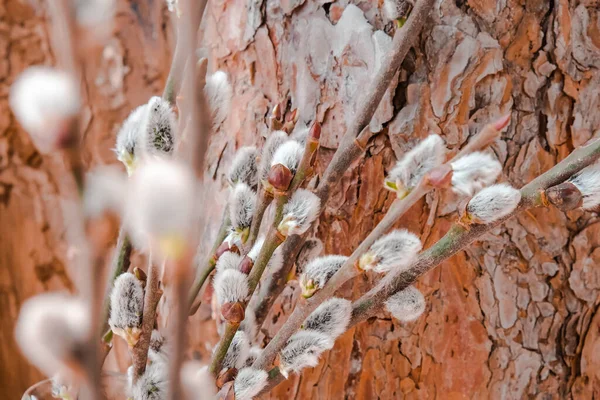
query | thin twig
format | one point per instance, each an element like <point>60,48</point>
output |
<point>349,150</point>
<point>139,353</point>
<point>264,200</point>
<point>208,264</point>
<point>178,293</point>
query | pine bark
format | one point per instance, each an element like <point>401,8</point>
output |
<point>514,316</point>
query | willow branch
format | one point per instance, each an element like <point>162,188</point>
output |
<point>208,264</point>
<point>458,237</point>
<point>178,294</point>
<point>264,200</point>
<point>352,144</point>
<point>139,353</point>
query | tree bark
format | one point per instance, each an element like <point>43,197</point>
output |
<point>514,316</point>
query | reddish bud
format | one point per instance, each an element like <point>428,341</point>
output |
<point>315,132</point>
<point>225,376</point>
<point>565,196</point>
<point>233,312</point>
<point>280,177</point>
<point>225,247</point>
<point>246,265</point>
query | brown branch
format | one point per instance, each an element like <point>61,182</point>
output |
<point>264,200</point>
<point>208,264</point>
<point>139,353</point>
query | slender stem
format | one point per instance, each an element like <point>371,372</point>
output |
<point>178,295</point>
<point>264,199</point>
<point>274,283</point>
<point>139,352</point>
<point>209,263</point>
<point>222,347</point>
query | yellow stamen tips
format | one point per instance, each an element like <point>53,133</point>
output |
<point>402,192</point>
<point>130,335</point>
<point>172,246</point>
<point>391,185</point>
<point>129,161</point>
<point>309,289</point>
<point>367,260</point>
<point>243,234</point>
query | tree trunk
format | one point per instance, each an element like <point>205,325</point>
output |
<point>513,316</point>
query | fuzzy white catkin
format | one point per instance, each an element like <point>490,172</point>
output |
<point>229,260</point>
<point>129,143</point>
<point>104,191</point>
<point>320,270</point>
<point>231,286</point>
<point>219,92</point>
<point>288,154</point>
<point>238,351</point>
<point>241,206</point>
<point>394,251</point>
<point>249,382</point>
<point>42,99</point>
<point>406,305</point>
<point>425,156</point>
<point>153,384</point>
<point>50,328</point>
<point>302,350</point>
<point>159,349</point>
<point>330,318</point>
<point>274,141</point>
<point>253,355</point>
<point>196,381</point>
<point>126,302</point>
<point>299,212</point>
<point>588,183</point>
<point>243,167</point>
<point>161,126</point>
<point>493,203</point>
<point>473,172</point>
<point>160,202</point>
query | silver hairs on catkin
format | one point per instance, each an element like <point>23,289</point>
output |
<point>299,212</point>
<point>318,272</point>
<point>493,203</point>
<point>331,317</point>
<point>243,167</point>
<point>249,382</point>
<point>588,183</point>
<point>394,251</point>
<point>473,172</point>
<point>406,305</point>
